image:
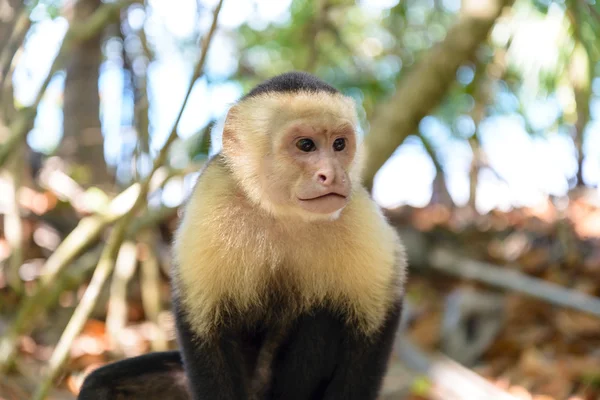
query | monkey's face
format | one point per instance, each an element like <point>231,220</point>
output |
<point>309,167</point>
<point>295,154</point>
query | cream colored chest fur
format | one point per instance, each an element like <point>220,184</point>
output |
<point>226,250</point>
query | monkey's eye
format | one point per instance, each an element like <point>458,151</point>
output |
<point>306,145</point>
<point>339,144</point>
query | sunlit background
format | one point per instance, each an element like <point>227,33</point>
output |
<point>491,177</point>
<point>524,135</point>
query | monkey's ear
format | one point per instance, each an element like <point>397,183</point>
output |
<point>229,137</point>
<point>153,376</point>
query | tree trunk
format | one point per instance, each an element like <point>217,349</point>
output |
<point>474,171</point>
<point>9,12</point>
<point>579,73</point>
<point>82,143</point>
<point>439,189</point>
<point>423,88</point>
<point>14,23</point>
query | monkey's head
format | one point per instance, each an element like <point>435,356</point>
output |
<point>293,147</point>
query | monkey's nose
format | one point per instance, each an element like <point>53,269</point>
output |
<point>325,178</point>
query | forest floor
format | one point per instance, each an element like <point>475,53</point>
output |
<point>529,346</point>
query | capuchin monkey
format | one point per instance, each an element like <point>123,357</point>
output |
<point>288,280</point>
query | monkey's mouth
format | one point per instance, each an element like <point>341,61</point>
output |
<point>325,196</point>
<point>324,204</point>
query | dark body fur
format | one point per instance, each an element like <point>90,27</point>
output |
<point>261,353</point>
<point>317,358</point>
<point>150,376</point>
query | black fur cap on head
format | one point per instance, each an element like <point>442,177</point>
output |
<point>290,82</point>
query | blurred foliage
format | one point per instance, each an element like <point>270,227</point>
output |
<point>361,54</point>
<point>365,52</point>
<point>539,68</point>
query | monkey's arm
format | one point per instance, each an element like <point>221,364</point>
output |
<point>153,376</point>
<point>214,368</point>
<point>363,364</point>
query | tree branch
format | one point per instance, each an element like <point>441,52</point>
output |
<point>150,286</point>
<point>580,71</point>
<point>116,318</point>
<point>116,238</point>
<point>9,13</point>
<point>87,232</point>
<point>423,87</point>
<point>13,226</point>
<point>447,380</point>
<point>84,308</point>
<point>426,252</point>
<point>77,32</point>
<point>14,43</point>
<point>446,261</point>
<point>440,193</point>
